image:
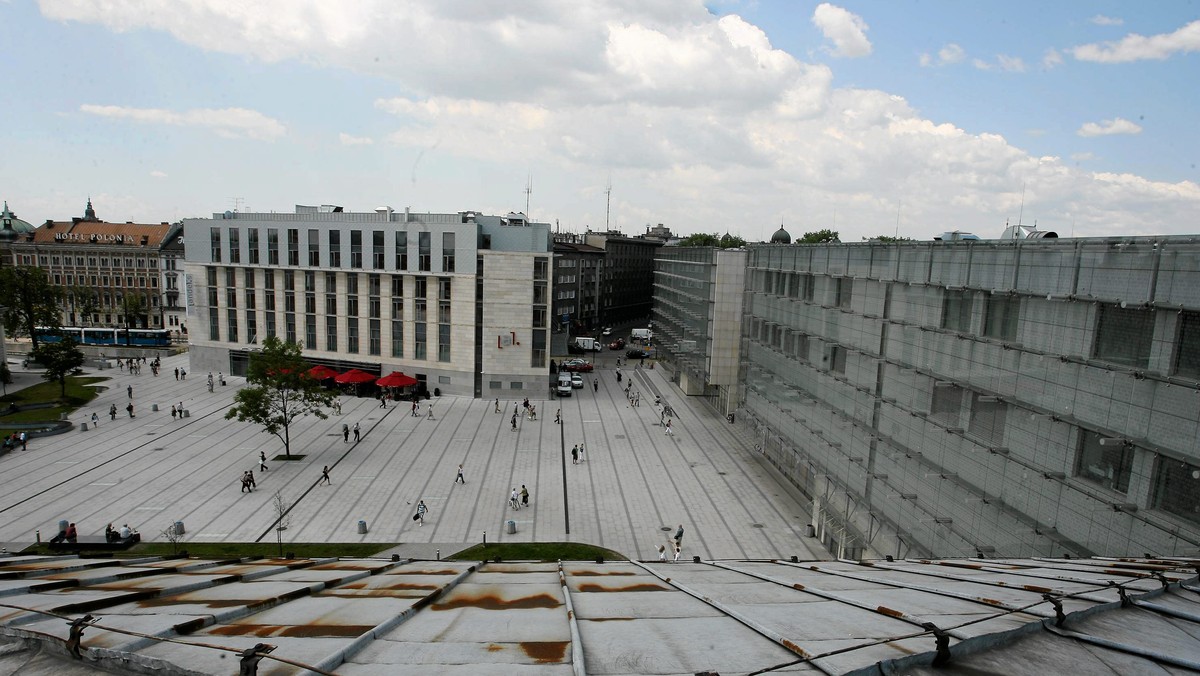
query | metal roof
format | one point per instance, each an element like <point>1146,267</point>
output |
<point>373,616</point>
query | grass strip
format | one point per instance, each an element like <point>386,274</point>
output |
<point>536,551</point>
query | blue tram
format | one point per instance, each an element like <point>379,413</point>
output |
<point>106,336</point>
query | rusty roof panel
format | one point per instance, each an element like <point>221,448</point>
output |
<point>483,657</point>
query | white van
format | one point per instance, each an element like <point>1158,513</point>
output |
<point>642,334</point>
<point>564,385</point>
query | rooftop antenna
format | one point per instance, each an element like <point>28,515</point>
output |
<point>897,233</point>
<point>528,192</point>
<point>1021,213</point>
<point>238,203</point>
<point>607,202</point>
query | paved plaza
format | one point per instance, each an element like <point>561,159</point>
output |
<point>635,485</point>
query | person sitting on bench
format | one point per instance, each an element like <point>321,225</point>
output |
<point>110,533</point>
<point>72,535</point>
<point>62,535</point>
<point>125,532</point>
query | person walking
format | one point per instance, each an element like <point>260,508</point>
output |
<point>595,385</point>
<point>679,536</point>
<point>245,483</point>
<point>497,404</point>
<point>513,500</point>
<point>514,421</point>
<point>95,419</point>
<point>250,479</point>
<point>174,411</point>
<point>459,479</point>
<point>357,433</point>
<point>177,374</point>
<point>24,441</point>
<point>580,452</point>
<point>558,417</point>
<point>421,510</point>
<point>325,477</point>
<point>669,432</point>
<point>112,411</point>
<point>662,553</point>
<point>183,374</point>
<point>345,433</point>
<point>430,410</point>
<point>129,409</point>
<point>262,461</point>
<point>575,454</point>
<point>524,496</point>
<point>129,391</point>
<point>677,551</point>
<point>382,401</point>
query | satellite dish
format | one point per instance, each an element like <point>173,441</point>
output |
<point>228,215</point>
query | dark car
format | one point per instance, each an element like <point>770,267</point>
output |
<point>635,353</point>
<point>617,344</point>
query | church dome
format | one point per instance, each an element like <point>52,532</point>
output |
<point>781,236</point>
<point>12,227</point>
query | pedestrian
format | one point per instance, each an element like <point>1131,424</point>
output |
<point>459,479</point>
<point>662,553</point>
<point>129,391</point>
<point>24,441</point>
<point>679,536</point>
<point>174,411</point>
<point>595,385</point>
<point>262,461</point>
<point>176,374</point>
<point>580,452</point>
<point>618,375</point>
<point>558,417</point>
<point>575,454</point>
<point>532,412</point>
<point>524,496</point>
<point>382,401</point>
<point>512,499</point>
<point>129,409</point>
<point>112,411</point>
<point>677,550</point>
<point>95,419</point>
<point>421,509</point>
<point>497,404</point>
<point>183,374</point>
<point>245,483</point>
<point>414,408</point>
<point>181,410</point>
<point>514,421</point>
<point>345,433</point>
<point>357,433</point>
<point>121,365</point>
<point>669,432</point>
<point>430,416</point>
<point>325,477</point>
<point>250,478</point>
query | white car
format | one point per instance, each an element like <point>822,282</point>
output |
<point>607,331</point>
<point>576,381</point>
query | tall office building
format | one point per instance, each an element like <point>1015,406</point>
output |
<point>1035,397</point>
<point>460,301</point>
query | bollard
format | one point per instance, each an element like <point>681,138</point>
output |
<point>810,531</point>
<point>511,526</point>
<point>179,530</point>
<point>439,555</point>
<point>153,407</point>
<point>39,536</point>
<point>485,537</point>
<point>83,427</point>
<point>362,527</point>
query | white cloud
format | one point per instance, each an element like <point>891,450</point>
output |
<point>158,174</point>
<point>1004,62</point>
<point>348,140</point>
<point>1134,47</point>
<point>1101,20</point>
<point>1109,127</point>
<point>225,122</point>
<point>981,64</point>
<point>1082,157</point>
<point>948,54</point>
<point>846,30</point>
<point>1052,59</point>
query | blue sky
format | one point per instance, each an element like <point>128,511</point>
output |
<point>869,118</point>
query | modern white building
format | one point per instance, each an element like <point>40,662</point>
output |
<point>980,398</point>
<point>460,301</point>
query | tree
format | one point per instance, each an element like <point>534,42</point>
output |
<point>279,390</point>
<point>30,299</point>
<point>825,236</point>
<point>729,241</point>
<point>726,241</point>
<point>282,520</point>
<point>85,303</point>
<point>133,307</point>
<point>60,359</point>
<point>887,239</point>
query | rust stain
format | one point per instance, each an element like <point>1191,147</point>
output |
<point>797,585</point>
<point>493,648</point>
<point>645,586</point>
<point>794,648</point>
<point>494,602</point>
<point>991,602</point>
<point>1122,573</point>
<point>889,612</point>
<point>897,646</point>
<point>583,573</point>
<point>545,652</point>
<point>293,631</point>
<point>418,571</point>
<point>1037,589</point>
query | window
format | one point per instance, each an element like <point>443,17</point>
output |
<point>272,246</point>
<point>290,324</point>
<point>211,273</point>
<point>401,250</point>
<point>232,319</point>
<point>314,248</point>
<point>447,252</point>
<point>837,359</point>
<point>352,335</point>
<point>1177,488</point>
<point>516,385</point>
<point>844,292</point>
<point>247,279</point>
<point>214,236</point>
<point>1187,350</point>
<point>235,246</point>
<point>419,341</point>
<point>956,310</point>
<point>946,406</point>
<point>423,255</point>
<point>988,416</point>
<point>252,245</point>
<point>214,325</point>
<point>374,340</point>
<point>444,342</point>
<point>397,338</point>
<point>377,249</point>
<point>1104,461</point>
<point>419,287</point>
<point>444,288</point>
<point>335,249</point>
<point>397,297</point>
<point>808,288</point>
<point>331,333</point>
<point>293,244</point>
<point>251,326</point>
<point>1123,335</point>
<point>537,357</point>
<point>310,332</point>
<point>352,295</point>
<point>1000,321</point>
<point>271,325</point>
<point>539,317</point>
<point>356,249</point>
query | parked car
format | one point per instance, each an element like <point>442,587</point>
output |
<point>580,365</point>
<point>607,331</point>
<point>577,381</point>
<point>637,353</point>
<point>564,385</point>
<point>617,344</point>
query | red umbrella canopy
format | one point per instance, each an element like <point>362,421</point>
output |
<point>321,372</point>
<point>396,379</point>
<point>354,377</point>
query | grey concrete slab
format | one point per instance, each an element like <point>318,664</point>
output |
<point>632,488</point>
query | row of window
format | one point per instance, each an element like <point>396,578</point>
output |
<point>231,251</point>
<point>69,280</point>
<point>129,262</point>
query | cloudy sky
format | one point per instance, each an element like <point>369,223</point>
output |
<point>890,117</point>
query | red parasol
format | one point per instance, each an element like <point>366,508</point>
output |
<point>396,379</point>
<point>321,372</point>
<point>354,377</point>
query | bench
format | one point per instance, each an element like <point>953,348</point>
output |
<point>95,543</point>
